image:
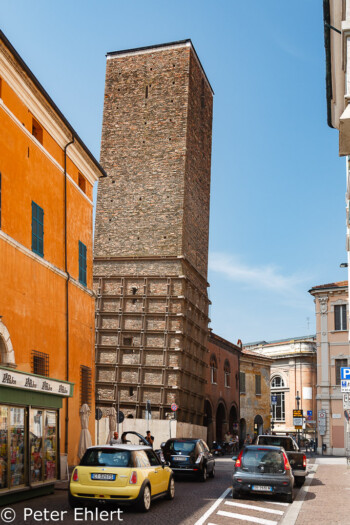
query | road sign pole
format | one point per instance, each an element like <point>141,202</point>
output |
<point>118,412</point>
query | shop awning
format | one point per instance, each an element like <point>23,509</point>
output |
<point>20,387</point>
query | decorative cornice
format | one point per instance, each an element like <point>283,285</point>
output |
<point>43,150</point>
<point>37,104</point>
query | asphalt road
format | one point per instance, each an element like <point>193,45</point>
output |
<point>192,500</point>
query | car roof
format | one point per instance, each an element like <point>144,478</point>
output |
<point>275,436</point>
<point>120,446</point>
<point>183,440</point>
<point>263,447</point>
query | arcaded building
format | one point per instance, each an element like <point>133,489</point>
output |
<point>152,228</point>
<point>222,389</point>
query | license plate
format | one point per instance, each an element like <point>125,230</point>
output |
<point>105,477</point>
<point>262,488</point>
<point>179,458</point>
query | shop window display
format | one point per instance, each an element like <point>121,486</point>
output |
<point>38,451</point>
<point>17,447</point>
<point>36,445</point>
<point>50,444</point>
<point>3,447</point>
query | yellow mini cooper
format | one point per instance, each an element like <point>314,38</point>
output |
<point>124,474</point>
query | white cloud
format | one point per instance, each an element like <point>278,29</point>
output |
<point>267,277</point>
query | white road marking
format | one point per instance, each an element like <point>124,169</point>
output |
<point>292,514</point>
<point>246,518</point>
<point>213,507</point>
<point>275,502</point>
<point>254,507</point>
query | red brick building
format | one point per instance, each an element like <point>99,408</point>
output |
<point>222,389</point>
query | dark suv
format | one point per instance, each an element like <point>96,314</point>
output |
<point>189,457</point>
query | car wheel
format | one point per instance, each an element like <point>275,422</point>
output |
<point>299,481</point>
<point>204,473</point>
<point>145,499</point>
<point>212,473</point>
<point>73,502</point>
<point>289,497</point>
<point>171,489</point>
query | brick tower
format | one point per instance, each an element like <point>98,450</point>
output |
<point>152,228</point>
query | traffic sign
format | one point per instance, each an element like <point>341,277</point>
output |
<point>345,373</point>
<point>345,385</point>
<point>174,407</point>
<point>309,412</point>
<point>120,417</point>
<point>322,418</point>
<point>273,400</point>
<point>346,401</point>
<point>298,418</point>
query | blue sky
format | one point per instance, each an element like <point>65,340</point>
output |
<point>277,223</point>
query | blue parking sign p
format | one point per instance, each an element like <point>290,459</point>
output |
<point>345,373</point>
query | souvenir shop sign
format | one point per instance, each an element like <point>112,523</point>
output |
<point>34,383</point>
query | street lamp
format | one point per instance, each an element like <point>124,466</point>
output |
<point>272,423</point>
<point>297,399</point>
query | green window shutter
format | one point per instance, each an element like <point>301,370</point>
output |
<point>82,263</point>
<point>37,229</point>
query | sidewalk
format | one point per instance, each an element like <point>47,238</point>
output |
<point>324,500</point>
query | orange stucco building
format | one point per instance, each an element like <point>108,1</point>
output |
<point>46,301</point>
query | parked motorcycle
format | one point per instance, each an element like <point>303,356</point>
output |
<point>217,449</point>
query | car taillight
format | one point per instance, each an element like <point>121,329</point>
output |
<point>304,461</point>
<point>286,462</point>
<point>75,475</point>
<point>239,459</point>
<point>199,459</point>
<point>133,477</point>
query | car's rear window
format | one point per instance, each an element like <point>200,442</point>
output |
<point>182,446</point>
<point>287,444</point>
<point>262,460</point>
<point>104,457</point>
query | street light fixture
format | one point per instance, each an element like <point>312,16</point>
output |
<point>272,423</point>
<point>297,399</point>
<point>343,265</point>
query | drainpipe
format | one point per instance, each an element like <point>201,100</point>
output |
<point>67,289</point>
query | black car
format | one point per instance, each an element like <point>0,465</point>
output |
<point>189,457</point>
<point>262,470</point>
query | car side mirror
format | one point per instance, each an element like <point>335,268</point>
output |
<point>162,445</point>
<point>234,458</point>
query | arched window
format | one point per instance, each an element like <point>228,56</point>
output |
<point>227,372</point>
<point>278,399</point>
<point>277,382</point>
<point>213,369</point>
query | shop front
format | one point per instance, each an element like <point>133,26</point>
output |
<point>29,433</point>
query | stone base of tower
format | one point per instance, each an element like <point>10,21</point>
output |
<point>151,337</point>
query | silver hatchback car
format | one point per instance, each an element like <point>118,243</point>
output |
<point>262,470</point>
